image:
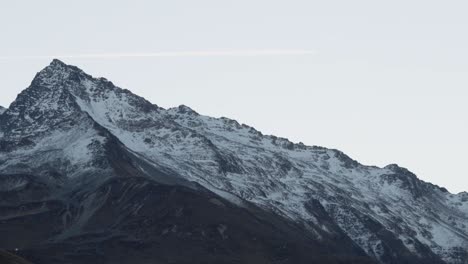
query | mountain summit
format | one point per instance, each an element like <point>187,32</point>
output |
<point>90,172</point>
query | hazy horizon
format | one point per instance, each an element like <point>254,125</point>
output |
<point>382,82</point>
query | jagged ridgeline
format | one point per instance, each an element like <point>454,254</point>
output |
<point>92,173</point>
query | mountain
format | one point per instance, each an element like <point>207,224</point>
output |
<point>90,172</point>
<point>2,109</point>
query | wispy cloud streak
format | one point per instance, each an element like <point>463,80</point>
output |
<point>219,53</point>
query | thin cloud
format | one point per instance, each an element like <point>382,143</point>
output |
<point>223,53</point>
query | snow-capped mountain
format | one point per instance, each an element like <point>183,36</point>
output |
<point>82,151</point>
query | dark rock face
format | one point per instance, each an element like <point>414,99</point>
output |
<point>134,220</point>
<point>91,173</point>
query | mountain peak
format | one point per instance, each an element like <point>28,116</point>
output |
<point>58,72</point>
<point>57,62</point>
<point>50,98</point>
<point>58,65</point>
<point>183,109</point>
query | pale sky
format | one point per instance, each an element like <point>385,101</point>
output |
<point>383,81</point>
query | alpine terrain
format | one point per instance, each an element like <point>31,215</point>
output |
<point>92,173</point>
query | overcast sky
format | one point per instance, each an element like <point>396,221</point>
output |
<point>387,81</point>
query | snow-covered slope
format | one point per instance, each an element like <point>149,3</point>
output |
<point>67,116</point>
<point>43,124</point>
<point>284,176</point>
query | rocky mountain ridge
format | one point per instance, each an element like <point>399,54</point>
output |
<point>70,133</point>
